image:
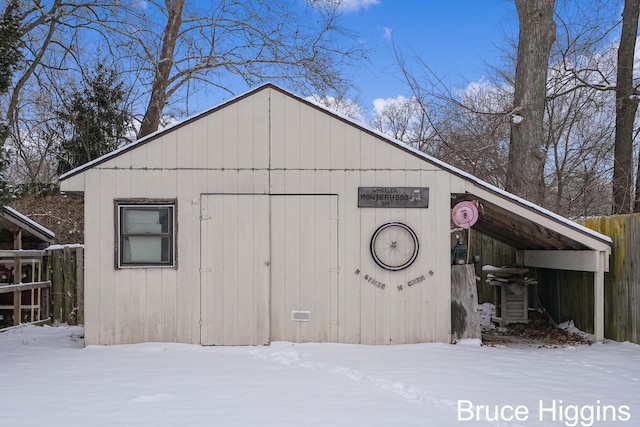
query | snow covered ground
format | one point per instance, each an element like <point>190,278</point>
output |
<point>47,378</point>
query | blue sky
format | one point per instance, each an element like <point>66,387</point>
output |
<point>456,38</point>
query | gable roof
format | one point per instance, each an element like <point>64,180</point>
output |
<point>19,220</point>
<point>516,229</point>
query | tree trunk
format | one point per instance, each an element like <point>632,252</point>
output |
<point>626,106</point>
<point>527,156</point>
<point>151,120</point>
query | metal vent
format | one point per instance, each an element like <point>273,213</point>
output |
<point>300,316</point>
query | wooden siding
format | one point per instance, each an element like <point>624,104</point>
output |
<point>271,144</point>
<point>622,283</point>
<point>569,295</point>
<point>490,252</point>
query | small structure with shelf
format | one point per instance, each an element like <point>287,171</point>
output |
<point>511,293</point>
<point>24,280</point>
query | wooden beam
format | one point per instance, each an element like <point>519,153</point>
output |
<point>19,287</point>
<point>17,278</point>
<point>567,260</point>
<point>24,253</point>
<point>598,300</point>
<point>80,284</point>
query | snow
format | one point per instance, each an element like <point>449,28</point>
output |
<point>48,377</point>
<point>60,247</point>
<point>29,221</point>
<point>516,119</point>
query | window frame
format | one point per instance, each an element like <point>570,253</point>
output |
<point>120,206</point>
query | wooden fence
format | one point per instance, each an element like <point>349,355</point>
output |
<point>49,285</point>
<point>67,278</point>
<point>622,283</point>
<point>569,295</point>
<point>24,286</point>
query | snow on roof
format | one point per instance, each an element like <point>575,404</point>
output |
<point>462,174</point>
<point>28,221</point>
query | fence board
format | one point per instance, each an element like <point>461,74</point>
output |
<point>66,272</point>
<point>622,283</point>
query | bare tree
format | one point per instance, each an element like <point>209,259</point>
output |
<point>165,52</point>
<point>537,32</point>
<point>240,39</point>
<point>626,107</point>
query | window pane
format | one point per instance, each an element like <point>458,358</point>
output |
<point>140,249</point>
<point>138,221</point>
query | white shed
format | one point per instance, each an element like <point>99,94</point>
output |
<point>271,218</point>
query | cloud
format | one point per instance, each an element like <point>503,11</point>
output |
<point>346,5</point>
<point>387,33</point>
<point>380,104</point>
<point>353,5</point>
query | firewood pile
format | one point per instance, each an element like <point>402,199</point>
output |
<point>539,332</point>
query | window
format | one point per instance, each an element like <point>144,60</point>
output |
<point>146,235</point>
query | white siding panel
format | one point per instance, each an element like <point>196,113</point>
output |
<point>231,146</point>
<point>120,162</point>
<point>334,269</point>
<point>138,156</point>
<point>351,245</point>
<point>383,299</point>
<point>169,150</point>
<point>259,124</point>
<point>93,279</point>
<point>188,288</point>
<point>291,135</point>
<point>397,296</point>
<point>418,219</point>
<point>367,225</point>
<point>367,153</point>
<point>151,282</point>
<point>383,152</point>
<point>233,257</point>
<point>185,147</point>
<point>212,265</point>
<point>229,276</point>
<point>278,130</point>
<point>307,139</point>
<point>307,243</point>
<point>291,259</point>
<point>278,306</point>
<point>103,260</point>
<point>215,139</point>
<point>276,181</point>
<point>352,153</point>
<point>129,318</point>
<point>442,297</point>
<point>262,269</point>
<point>322,126</point>
<point>303,266</point>
<point>199,131</point>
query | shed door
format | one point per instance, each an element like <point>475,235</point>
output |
<point>234,276</point>
<point>304,256</point>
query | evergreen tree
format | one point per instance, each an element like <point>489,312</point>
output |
<point>10,57</point>
<point>94,122</point>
